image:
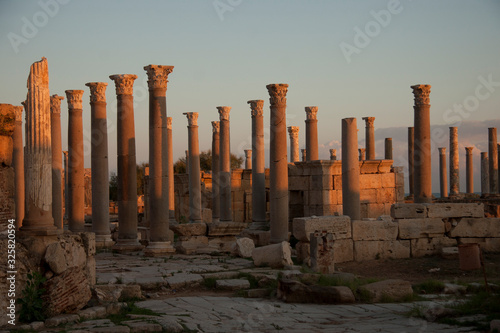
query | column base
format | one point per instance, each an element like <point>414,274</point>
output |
<point>40,230</point>
<point>127,245</point>
<point>103,241</point>
<point>158,249</point>
<point>259,225</point>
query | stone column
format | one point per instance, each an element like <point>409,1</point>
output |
<point>388,148</point>
<point>76,182</point>
<point>333,154</point>
<point>38,154</point>
<point>278,161</point>
<point>493,156</point>
<point>226,213</point>
<point>370,138</point>
<point>158,182</point>
<point>127,174</point>
<point>311,133</point>
<point>215,171</point>
<point>293,131</point>
<point>411,133</point>
<point>350,169</point>
<point>258,167</point>
<point>304,155</point>
<point>248,158</point>
<point>443,179</point>
<point>146,195</point>
<point>422,176</point>
<point>56,144</point>
<point>485,173</point>
<point>362,154</point>
<point>170,172</point>
<point>99,164</point>
<point>194,169</point>
<point>66,185</point>
<point>469,169</point>
<point>454,167</point>
<point>18,164</point>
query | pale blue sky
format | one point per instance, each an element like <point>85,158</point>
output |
<point>228,57</point>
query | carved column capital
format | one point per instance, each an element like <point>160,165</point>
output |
<point>18,112</point>
<point>74,98</point>
<point>257,107</point>
<point>311,112</point>
<point>124,83</point>
<point>97,91</point>
<point>442,150</point>
<point>65,152</point>
<point>333,152</point>
<point>277,93</point>
<point>293,131</point>
<point>55,103</point>
<point>215,127</point>
<point>421,94</point>
<point>248,153</point>
<point>224,112</point>
<point>468,150</point>
<point>158,76</point>
<point>369,121</point>
<point>169,123</point>
<point>192,118</point>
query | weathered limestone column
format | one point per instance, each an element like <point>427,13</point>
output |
<point>216,171</point>
<point>422,176</point>
<point>311,133</point>
<point>350,169</point>
<point>146,195</point>
<point>18,164</point>
<point>370,138</point>
<point>304,155</point>
<point>66,184</point>
<point>469,169</point>
<point>443,179</point>
<point>278,161</point>
<point>293,131</point>
<point>248,158</point>
<point>76,182</point>
<point>99,164</point>
<point>485,173</point>
<point>158,182</point>
<point>127,174</point>
<point>226,213</point>
<point>56,144</point>
<point>38,155</point>
<point>333,154</point>
<point>170,171</point>
<point>388,148</point>
<point>258,167</point>
<point>493,156</point>
<point>454,167</point>
<point>194,169</point>
<point>362,154</point>
<point>411,136</point>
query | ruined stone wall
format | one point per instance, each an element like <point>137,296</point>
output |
<point>7,204</point>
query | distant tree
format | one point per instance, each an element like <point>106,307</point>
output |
<point>206,162</point>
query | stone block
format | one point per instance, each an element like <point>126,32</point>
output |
<point>430,246</point>
<point>222,244</point>
<point>322,259</point>
<point>421,228</point>
<point>90,270</point>
<point>388,180</point>
<point>61,320</point>
<point>183,280</point>
<point>368,195</point>
<point>189,246</point>
<point>88,239</point>
<point>455,210</point>
<point>321,182</point>
<point>369,167</point>
<point>374,230</point>
<point>395,290</point>
<point>303,250</point>
<point>292,291</point>
<point>386,195</point>
<point>486,244</point>
<point>477,227</point>
<point>232,284</point>
<point>226,228</point>
<point>243,247</point>
<point>370,250</point>
<point>337,183</point>
<point>370,181</point>
<point>339,226</point>
<point>298,183</point>
<point>274,255</point>
<point>189,229</point>
<point>343,250</point>
<point>408,211</point>
<point>116,292</point>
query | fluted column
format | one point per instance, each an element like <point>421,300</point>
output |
<point>258,167</point>
<point>333,154</point>
<point>304,154</point>
<point>170,171</point>
<point>76,181</point>
<point>443,179</point>
<point>293,131</point>
<point>370,138</point>
<point>362,154</point>
<point>279,163</point>
<point>66,184</point>
<point>215,171</point>
<point>454,166</point>
<point>350,169</point>
<point>469,169</point>
<point>493,156</point>
<point>411,136</point>
<point>388,149</point>
<point>18,164</point>
<point>485,173</point>
<point>127,174</point>
<point>99,164</point>
<point>422,144</point>
<point>248,158</point>
<point>56,144</point>
<point>225,165</point>
<point>194,169</point>
<point>311,133</point>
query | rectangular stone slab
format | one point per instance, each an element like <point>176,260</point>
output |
<point>420,228</point>
<point>339,226</point>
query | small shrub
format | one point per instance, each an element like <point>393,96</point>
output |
<point>31,299</point>
<point>209,282</point>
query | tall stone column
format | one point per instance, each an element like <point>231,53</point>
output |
<point>18,164</point>
<point>362,154</point>
<point>469,169</point>
<point>127,174</point>
<point>485,173</point>
<point>76,181</point>
<point>350,169</point>
<point>194,169</point>
<point>248,158</point>
<point>146,195</point>
<point>293,131</point>
<point>38,154</point>
<point>170,172</point>
<point>158,182</point>
<point>388,149</point>
<point>56,144</point>
<point>454,167</point>
<point>333,154</point>
<point>411,135</point>
<point>493,156</point>
<point>311,133</point>
<point>279,163</point>
<point>216,171</point>
<point>422,176</point>
<point>370,138</point>
<point>443,179</point>
<point>304,155</point>
<point>66,184</point>
<point>99,164</point>
<point>258,167</point>
<point>225,165</point>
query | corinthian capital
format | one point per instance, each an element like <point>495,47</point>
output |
<point>311,112</point>
<point>257,107</point>
<point>97,91</point>
<point>277,93</point>
<point>124,83</point>
<point>369,121</point>
<point>192,118</point>
<point>468,150</point>
<point>18,112</point>
<point>55,103</point>
<point>74,99</point>
<point>224,112</point>
<point>158,75</point>
<point>293,131</point>
<point>169,123</point>
<point>421,94</point>
<point>215,127</point>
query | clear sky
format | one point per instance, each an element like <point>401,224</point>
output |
<point>350,58</point>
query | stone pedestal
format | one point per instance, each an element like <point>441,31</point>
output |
<point>311,133</point>
<point>55,129</point>
<point>194,169</point>
<point>469,169</point>
<point>485,173</point>
<point>278,163</point>
<point>388,149</point>
<point>304,155</point>
<point>443,181</point>
<point>293,131</point>
<point>362,154</point>
<point>333,154</point>
<point>226,213</point>
<point>350,169</point>
<point>454,166</point>
<point>411,133</point>
<point>493,159</point>
<point>370,138</point>
<point>216,171</point>
<point>248,159</point>
<point>170,172</point>
<point>18,164</point>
